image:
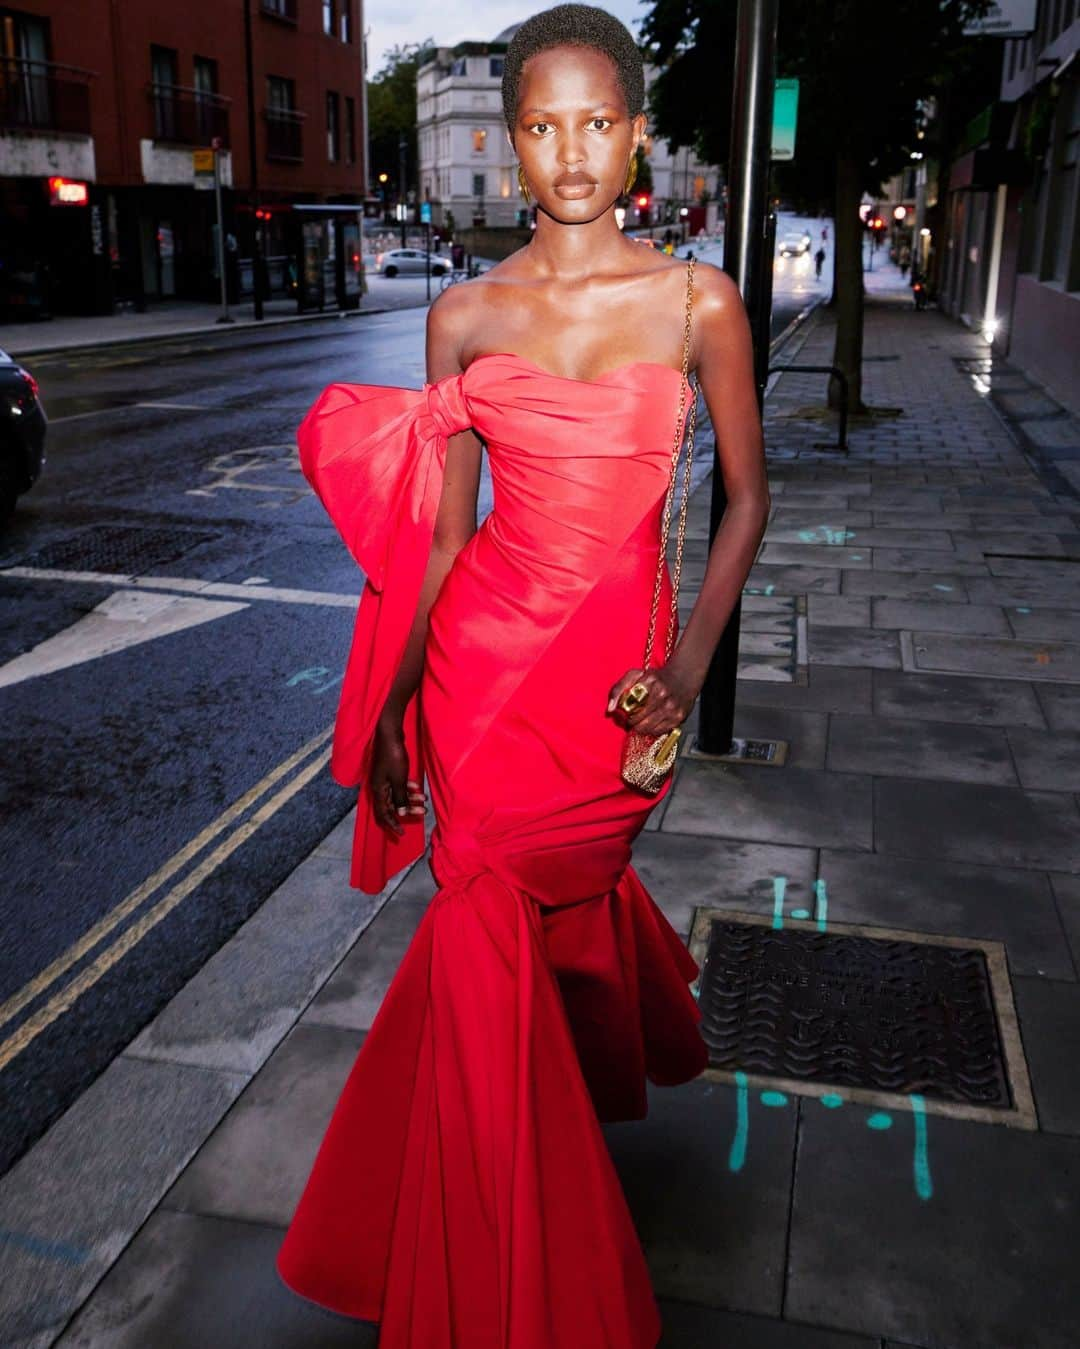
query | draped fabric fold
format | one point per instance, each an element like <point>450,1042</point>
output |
<point>463,1195</point>
<point>376,459</point>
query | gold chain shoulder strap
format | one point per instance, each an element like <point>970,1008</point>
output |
<point>665,528</point>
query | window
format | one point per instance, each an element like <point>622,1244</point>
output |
<point>495,67</point>
<point>25,78</point>
<point>350,130</point>
<point>478,184</point>
<point>345,21</point>
<point>280,94</point>
<point>460,67</point>
<point>280,9</point>
<point>333,127</point>
<point>328,17</point>
<point>206,87</point>
<point>284,125</point>
<point>163,78</point>
<point>479,140</point>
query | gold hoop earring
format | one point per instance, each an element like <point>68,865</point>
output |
<point>523,186</point>
<point>631,173</point>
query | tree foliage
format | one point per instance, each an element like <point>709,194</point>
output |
<point>392,113</point>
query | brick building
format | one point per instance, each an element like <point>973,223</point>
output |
<point>102,103</point>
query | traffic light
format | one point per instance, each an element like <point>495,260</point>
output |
<point>643,201</point>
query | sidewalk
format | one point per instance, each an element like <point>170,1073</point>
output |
<point>914,620</point>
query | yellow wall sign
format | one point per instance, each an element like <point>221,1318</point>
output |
<point>202,161</point>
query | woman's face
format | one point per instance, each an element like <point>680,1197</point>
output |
<point>573,133</point>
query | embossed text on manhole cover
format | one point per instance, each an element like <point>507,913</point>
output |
<point>886,1015</point>
<point>126,549</point>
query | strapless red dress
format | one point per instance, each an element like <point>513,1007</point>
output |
<point>463,1194</point>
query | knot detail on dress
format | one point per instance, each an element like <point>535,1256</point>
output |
<point>446,405</point>
<point>456,857</point>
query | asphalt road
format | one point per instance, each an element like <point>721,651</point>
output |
<point>165,740</point>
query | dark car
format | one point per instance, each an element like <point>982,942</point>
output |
<point>22,433</point>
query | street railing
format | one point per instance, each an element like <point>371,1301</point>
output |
<point>44,96</point>
<point>841,379</point>
<point>186,116</point>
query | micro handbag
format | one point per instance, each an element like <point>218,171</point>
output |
<point>648,759</point>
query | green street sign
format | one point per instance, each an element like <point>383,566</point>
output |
<point>785,115</point>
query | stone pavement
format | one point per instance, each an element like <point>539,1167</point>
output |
<point>933,715</point>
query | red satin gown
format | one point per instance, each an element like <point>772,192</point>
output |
<point>463,1194</point>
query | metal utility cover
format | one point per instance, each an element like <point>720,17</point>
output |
<point>124,549</point>
<point>880,1015</point>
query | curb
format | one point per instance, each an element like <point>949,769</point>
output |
<point>157,339</point>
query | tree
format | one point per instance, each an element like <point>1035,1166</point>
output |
<point>392,114</point>
<point>862,70</point>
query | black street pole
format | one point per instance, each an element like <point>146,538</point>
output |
<point>402,198</point>
<point>746,261</point>
<point>253,193</point>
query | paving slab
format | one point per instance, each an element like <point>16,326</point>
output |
<point>1031,623</point>
<point>190,1280</point>
<point>930,616</point>
<point>814,555</point>
<point>1067,893</point>
<point>71,1204</point>
<point>988,1259</point>
<point>828,688</point>
<point>838,611</point>
<point>985,902</point>
<point>1061,704</point>
<point>897,747</point>
<point>712,1234</point>
<point>691,1327</point>
<point>234,1012</point>
<point>910,559</point>
<point>944,586</point>
<point>256,1162</point>
<point>872,648</point>
<point>984,702</point>
<point>1027,591</point>
<point>992,825</point>
<point>793,580</point>
<point>789,805</point>
<point>1005,658</point>
<point>1049,1013</point>
<point>683,871</point>
<point>1047,759</point>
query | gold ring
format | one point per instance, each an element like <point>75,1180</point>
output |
<point>634,697</point>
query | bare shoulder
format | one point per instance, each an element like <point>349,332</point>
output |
<point>716,296</point>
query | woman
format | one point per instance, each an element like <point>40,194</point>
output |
<point>463,1194</point>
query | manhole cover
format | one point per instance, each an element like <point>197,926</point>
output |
<point>124,549</point>
<point>883,1015</point>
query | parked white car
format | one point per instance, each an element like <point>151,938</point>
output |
<point>405,261</point>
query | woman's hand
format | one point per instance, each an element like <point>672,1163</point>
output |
<point>394,795</point>
<point>671,699</point>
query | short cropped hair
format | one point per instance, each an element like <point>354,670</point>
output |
<point>574,26</point>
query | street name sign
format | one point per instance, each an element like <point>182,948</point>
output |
<point>1007,18</point>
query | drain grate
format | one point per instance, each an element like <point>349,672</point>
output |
<point>866,1012</point>
<point>125,549</point>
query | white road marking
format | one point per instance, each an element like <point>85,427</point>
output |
<point>223,589</point>
<point>125,619</point>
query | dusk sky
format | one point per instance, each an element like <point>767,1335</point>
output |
<point>392,22</point>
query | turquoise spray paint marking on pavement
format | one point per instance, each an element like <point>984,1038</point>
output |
<point>773,1098</point>
<point>737,1155</point>
<point>821,904</point>
<point>800,913</point>
<point>924,1186</point>
<point>831,1101</point>
<point>1022,609</point>
<point>944,588</point>
<point>779,887</point>
<point>879,1120</point>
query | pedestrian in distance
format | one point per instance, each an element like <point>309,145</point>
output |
<point>819,262</point>
<point>528,671</point>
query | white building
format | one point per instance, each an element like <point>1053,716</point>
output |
<point>466,164</point>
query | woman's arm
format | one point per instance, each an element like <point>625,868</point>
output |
<point>725,369</point>
<point>393,792</point>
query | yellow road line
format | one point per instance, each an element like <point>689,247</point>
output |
<point>142,892</point>
<point>131,936</point>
